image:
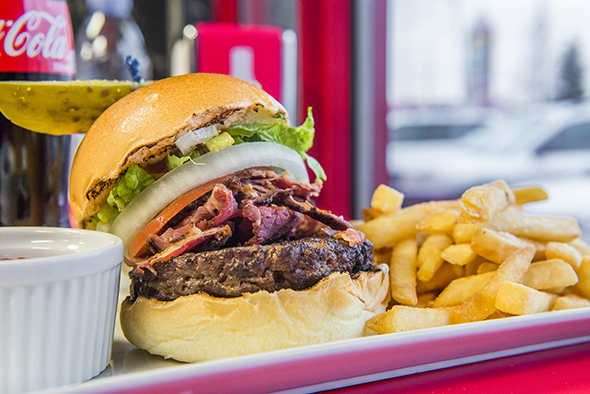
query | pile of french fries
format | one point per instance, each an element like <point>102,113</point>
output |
<point>480,257</point>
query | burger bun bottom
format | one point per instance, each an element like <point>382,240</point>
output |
<point>201,327</point>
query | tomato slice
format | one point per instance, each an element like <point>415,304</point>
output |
<point>138,245</point>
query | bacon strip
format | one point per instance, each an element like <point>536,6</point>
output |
<point>218,209</point>
<point>191,239</point>
<point>271,222</point>
<point>306,208</point>
<point>162,242</point>
<point>352,236</point>
<point>300,189</point>
<point>271,207</point>
<point>138,246</point>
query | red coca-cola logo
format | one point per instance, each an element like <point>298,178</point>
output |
<point>36,36</point>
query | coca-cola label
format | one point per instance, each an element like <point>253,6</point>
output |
<point>36,36</point>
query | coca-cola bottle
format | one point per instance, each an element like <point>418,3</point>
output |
<point>36,44</point>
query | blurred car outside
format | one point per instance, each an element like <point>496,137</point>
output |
<point>425,123</point>
<point>543,141</point>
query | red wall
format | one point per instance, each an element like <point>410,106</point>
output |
<point>324,34</point>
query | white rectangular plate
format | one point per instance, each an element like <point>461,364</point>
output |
<point>338,364</point>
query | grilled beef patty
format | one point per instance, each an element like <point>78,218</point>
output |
<point>230,272</point>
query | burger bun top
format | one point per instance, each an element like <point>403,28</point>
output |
<point>143,126</point>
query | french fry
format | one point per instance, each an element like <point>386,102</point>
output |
<point>581,246</point>
<point>425,299</point>
<point>507,189</point>
<point>459,254</point>
<point>405,318</point>
<point>517,299</point>
<point>482,304</point>
<point>461,289</point>
<point>540,247</point>
<point>525,195</point>
<point>439,223</point>
<point>429,255</point>
<point>565,252</point>
<point>486,266</point>
<point>570,301</point>
<point>370,213</point>
<point>472,267</point>
<point>402,272</point>
<point>480,203</point>
<point>421,237</point>
<point>550,274</point>
<point>463,232</point>
<point>556,290</point>
<point>445,275</point>
<point>496,246</point>
<point>459,270</point>
<point>388,229</point>
<point>382,256</point>
<point>583,285</point>
<point>498,315</point>
<point>386,199</point>
<point>538,227</point>
<point>476,258</point>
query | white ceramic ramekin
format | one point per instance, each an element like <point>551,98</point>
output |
<point>57,305</point>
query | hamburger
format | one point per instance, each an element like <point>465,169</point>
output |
<point>205,181</point>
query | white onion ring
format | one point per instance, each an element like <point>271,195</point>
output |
<point>187,142</point>
<point>203,169</point>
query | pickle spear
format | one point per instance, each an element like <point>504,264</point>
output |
<point>60,107</point>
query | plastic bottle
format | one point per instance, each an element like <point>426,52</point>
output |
<point>107,37</point>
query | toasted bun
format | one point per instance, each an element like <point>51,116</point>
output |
<point>201,327</point>
<point>141,127</point>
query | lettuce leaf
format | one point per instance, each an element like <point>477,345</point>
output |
<point>133,182</point>
<point>316,167</point>
<point>174,161</point>
<point>298,138</point>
